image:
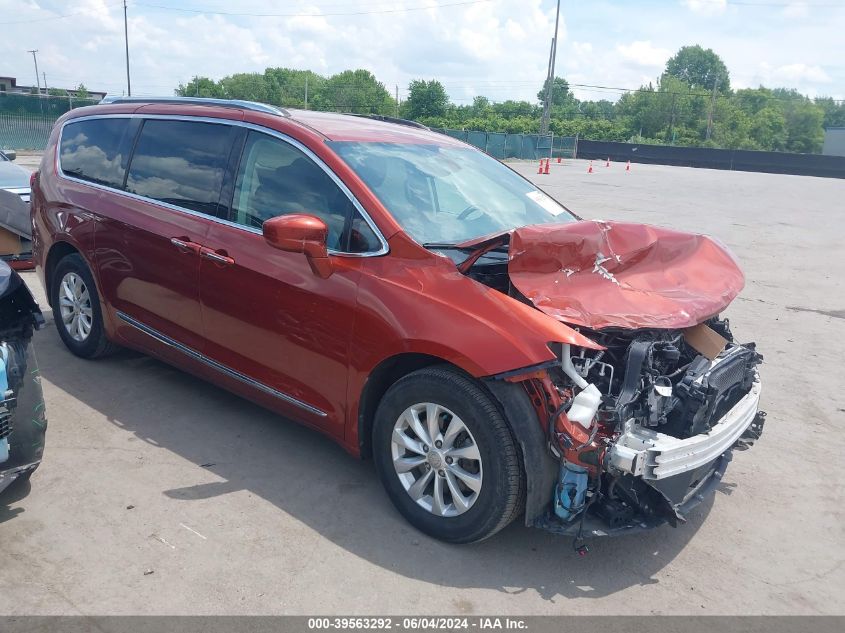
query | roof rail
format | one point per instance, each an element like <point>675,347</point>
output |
<point>222,103</point>
<point>391,119</point>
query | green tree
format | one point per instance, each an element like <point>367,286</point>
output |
<point>561,94</point>
<point>511,109</point>
<point>768,129</point>
<point>480,105</point>
<point>248,86</point>
<point>731,126</point>
<point>287,86</point>
<point>753,100</point>
<point>57,92</point>
<point>356,91</point>
<point>700,68</point>
<point>834,112</point>
<point>602,109</point>
<point>804,119</point>
<point>425,99</point>
<point>200,87</point>
<point>82,92</point>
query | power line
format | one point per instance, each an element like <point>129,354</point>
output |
<point>311,15</point>
<point>54,17</point>
<point>258,15</point>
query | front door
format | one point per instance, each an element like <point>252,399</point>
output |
<point>266,314</point>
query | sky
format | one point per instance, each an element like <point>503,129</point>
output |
<point>496,48</point>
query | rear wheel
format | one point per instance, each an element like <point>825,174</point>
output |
<point>446,456</point>
<point>76,309</point>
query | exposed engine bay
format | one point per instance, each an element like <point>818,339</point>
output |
<point>638,430</point>
<point>643,427</point>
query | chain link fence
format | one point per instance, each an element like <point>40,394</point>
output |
<point>26,120</point>
<point>25,131</point>
<point>503,146</point>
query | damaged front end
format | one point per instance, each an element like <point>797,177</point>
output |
<point>22,419</point>
<point>643,428</point>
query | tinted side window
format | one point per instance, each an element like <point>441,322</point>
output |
<point>97,150</point>
<point>275,178</point>
<point>181,163</point>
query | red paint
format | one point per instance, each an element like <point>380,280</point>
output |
<point>301,234</point>
<point>278,309</point>
<point>616,274</point>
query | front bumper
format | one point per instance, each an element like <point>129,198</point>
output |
<point>8,477</point>
<point>653,456</point>
<point>679,473</point>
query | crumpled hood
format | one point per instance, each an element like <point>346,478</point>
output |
<point>617,274</point>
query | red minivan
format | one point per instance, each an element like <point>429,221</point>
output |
<point>409,296</point>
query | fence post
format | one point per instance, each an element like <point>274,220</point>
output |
<point>575,152</point>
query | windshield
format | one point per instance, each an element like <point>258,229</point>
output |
<point>446,195</point>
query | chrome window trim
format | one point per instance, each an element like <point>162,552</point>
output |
<point>192,353</point>
<point>251,126</point>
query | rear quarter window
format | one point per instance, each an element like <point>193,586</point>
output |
<point>97,150</point>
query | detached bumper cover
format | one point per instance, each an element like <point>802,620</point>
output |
<point>653,456</point>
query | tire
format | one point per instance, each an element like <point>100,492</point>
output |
<point>91,342</point>
<point>469,515</point>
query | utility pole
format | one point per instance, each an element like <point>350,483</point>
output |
<point>397,101</point>
<point>126,40</point>
<point>43,74</point>
<point>547,105</point>
<point>37,76</point>
<point>710,114</point>
<point>37,79</point>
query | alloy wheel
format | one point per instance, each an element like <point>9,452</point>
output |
<point>75,307</point>
<point>436,459</point>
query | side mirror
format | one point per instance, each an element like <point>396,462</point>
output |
<point>10,154</point>
<point>299,233</point>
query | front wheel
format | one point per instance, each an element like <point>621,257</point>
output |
<point>447,457</point>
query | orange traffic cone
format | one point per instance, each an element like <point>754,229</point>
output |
<point>558,160</point>
<point>546,170</point>
<point>540,168</point>
<point>628,166</point>
<point>608,162</point>
<point>590,168</point>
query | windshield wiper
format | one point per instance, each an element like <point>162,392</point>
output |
<point>450,246</point>
<point>499,243</point>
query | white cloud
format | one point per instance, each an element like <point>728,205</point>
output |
<point>810,79</point>
<point>707,7</point>
<point>801,72</point>
<point>643,54</point>
<point>796,10</point>
<point>497,48</point>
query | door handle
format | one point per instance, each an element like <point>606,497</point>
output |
<point>217,258</point>
<point>185,245</point>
